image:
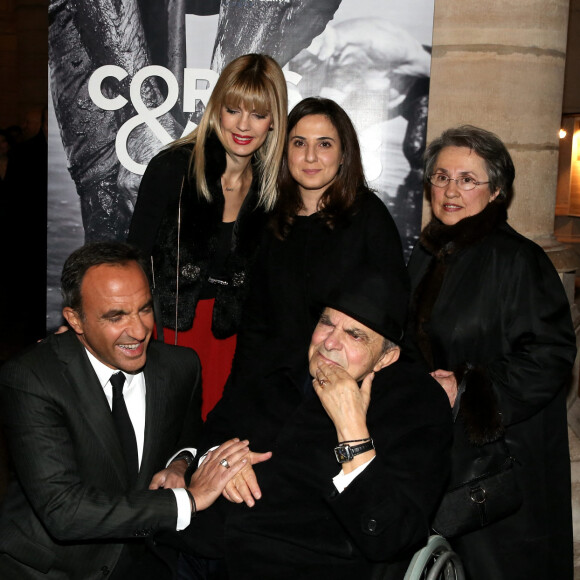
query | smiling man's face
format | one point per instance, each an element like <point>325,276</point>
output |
<point>116,322</point>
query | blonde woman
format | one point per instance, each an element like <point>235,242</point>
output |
<point>201,209</point>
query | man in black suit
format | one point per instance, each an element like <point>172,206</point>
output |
<point>86,445</point>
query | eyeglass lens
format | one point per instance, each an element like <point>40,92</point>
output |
<point>464,183</point>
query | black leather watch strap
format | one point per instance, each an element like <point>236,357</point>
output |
<point>186,455</point>
<point>345,452</point>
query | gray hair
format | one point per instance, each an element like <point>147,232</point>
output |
<point>498,162</point>
<point>388,345</point>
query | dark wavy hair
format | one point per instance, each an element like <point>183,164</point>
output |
<point>89,255</point>
<point>498,162</point>
<point>338,202</point>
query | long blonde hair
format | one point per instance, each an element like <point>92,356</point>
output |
<point>256,82</point>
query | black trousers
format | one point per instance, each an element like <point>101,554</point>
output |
<point>194,568</point>
<point>142,561</point>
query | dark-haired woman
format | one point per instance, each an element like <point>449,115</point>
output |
<point>492,321</point>
<point>326,221</point>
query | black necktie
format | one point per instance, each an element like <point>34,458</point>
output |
<point>124,426</point>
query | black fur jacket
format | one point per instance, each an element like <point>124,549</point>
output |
<point>179,230</point>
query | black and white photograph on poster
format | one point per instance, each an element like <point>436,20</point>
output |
<point>126,79</point>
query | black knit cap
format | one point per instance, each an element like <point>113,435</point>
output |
<point>378,302</point>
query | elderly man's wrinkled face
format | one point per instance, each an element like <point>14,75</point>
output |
<point>340,340</point>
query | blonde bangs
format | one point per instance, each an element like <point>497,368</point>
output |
<point>251,96</point>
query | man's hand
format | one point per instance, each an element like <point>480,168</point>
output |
<point>244,486</point>
<point>171,477</point>
<point>449,383</point>
<point>342,399</point>
<point>219,466</point>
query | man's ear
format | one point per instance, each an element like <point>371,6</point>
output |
<point>388,358</point>
<point>74,319</point>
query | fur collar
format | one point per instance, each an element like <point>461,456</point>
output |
<point>215,166</point>
<point>478,406</point>
<point>215,161</point>
<point>441,240</point>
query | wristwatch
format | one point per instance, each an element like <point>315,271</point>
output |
<point>187,456</point>
<point>345,452</point>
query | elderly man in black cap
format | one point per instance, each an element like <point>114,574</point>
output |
<point>360,453</point>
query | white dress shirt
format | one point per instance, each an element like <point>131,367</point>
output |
<point>134,392</point>
<point>343,480</point>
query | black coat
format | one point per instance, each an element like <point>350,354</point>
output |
<point>293,277</point>
<point>165,194</point>
<point>488,299</point>
<point>302,527</point>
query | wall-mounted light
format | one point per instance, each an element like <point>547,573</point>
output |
<point>563,133</point>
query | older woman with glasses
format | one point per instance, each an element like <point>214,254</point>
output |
<point>491,319</point>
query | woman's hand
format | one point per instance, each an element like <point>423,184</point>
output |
<point>342,399</point>
<point>448,381</point>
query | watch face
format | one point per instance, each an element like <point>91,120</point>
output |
<point>187,456</point>
<point>346,453</point>
<point>343,453</point>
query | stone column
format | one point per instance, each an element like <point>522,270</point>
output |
<point>500,65</point>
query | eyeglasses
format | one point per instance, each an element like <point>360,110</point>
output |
<point>464,183</point>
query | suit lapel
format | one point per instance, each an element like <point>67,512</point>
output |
<point>157,387</point>
<point>83,381</point>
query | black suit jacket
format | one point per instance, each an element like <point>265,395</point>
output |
<point>71,510</point>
